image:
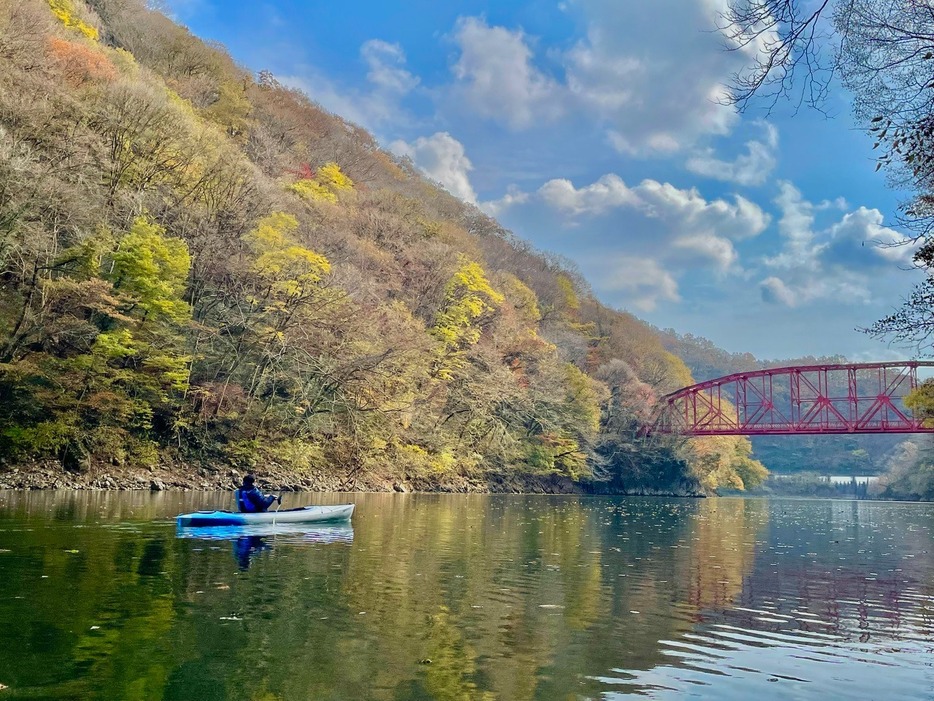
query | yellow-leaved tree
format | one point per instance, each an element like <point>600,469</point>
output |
<point>290,269</point>
<point>323,186</point>
<point>560,428</point>
<point>921,402</point>
<point>150,270</point>
<point>65,11</point>
<point>287,276</point>
<point>468,297</point>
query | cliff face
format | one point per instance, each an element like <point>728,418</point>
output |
<point>201,267</point>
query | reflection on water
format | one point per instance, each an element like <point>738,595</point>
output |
<point>839,604</point>
<point>249,541</point>
<point>467,597</point>
<point>294,533</point>
<point>246,547</point>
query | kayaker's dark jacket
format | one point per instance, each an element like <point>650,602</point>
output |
<point>253,501</point>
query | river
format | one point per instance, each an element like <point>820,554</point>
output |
<point>468,597</point>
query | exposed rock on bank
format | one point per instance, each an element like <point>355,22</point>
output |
<point>184,476</point>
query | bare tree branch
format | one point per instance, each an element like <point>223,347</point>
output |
<point>786,43</point>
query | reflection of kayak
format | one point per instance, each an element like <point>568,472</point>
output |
<point>290,532</point>
<point>305,514</point>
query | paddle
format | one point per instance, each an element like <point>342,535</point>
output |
<point>279,504</point>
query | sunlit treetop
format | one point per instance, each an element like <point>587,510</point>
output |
<point>153,268</point>
<point>65,11</point>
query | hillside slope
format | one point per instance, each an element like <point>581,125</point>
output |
<point>202,269</point>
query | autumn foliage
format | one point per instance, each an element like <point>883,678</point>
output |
<point>79,64</point>
<point>67,14</point>
<point>200,264</point>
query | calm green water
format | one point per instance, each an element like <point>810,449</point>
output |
<point>469,597</point>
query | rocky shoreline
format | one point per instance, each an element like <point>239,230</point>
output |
<point>184,477</point>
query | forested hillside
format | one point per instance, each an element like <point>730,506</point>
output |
<point>839,455</point>
<point>201,268</point>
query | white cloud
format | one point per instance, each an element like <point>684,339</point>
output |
<point>775,291</point>
<point>389,82</point>
<point>655,74</point>
<point>707,246</point>
<point>496,76</point>
<point>514,196</point>
<point>796,228</point>
<point>750,168</point>
<point>591,71</point>
<point>636,243</point>
<point>644,282</point>
<point>386,63</point>
<point>690,222</point>
<point>609,192</point>
<point>443,159</point>
<point>839,262</point>
<point>861,232</point>
<point>691,212</point>
<point>651,77</point>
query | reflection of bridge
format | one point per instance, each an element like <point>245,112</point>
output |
<point>808,399</point>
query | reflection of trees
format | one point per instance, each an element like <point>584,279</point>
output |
<point>108,506</point>
<point>91,606</point>
<point>109,611</point>
<point>468,597</point>
<point>439,597</point>
<point>723,550</point>
<point>542,591</point>
<point>649,596</point>
<point>450,670</point>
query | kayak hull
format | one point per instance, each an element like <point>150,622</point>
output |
<point>305,514</point>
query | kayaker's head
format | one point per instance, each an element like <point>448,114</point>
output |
<point>248,481</point>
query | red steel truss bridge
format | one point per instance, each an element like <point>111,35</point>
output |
<point>806,399</point>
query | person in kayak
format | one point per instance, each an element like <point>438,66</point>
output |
<point>250,500</point>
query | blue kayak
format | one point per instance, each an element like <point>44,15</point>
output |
<point>304,514</point>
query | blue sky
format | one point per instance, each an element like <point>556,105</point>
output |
<point>593,129</point>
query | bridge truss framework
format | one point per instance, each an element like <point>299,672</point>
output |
<point>808,399</point>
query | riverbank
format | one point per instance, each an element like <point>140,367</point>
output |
<point>186,477</point>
